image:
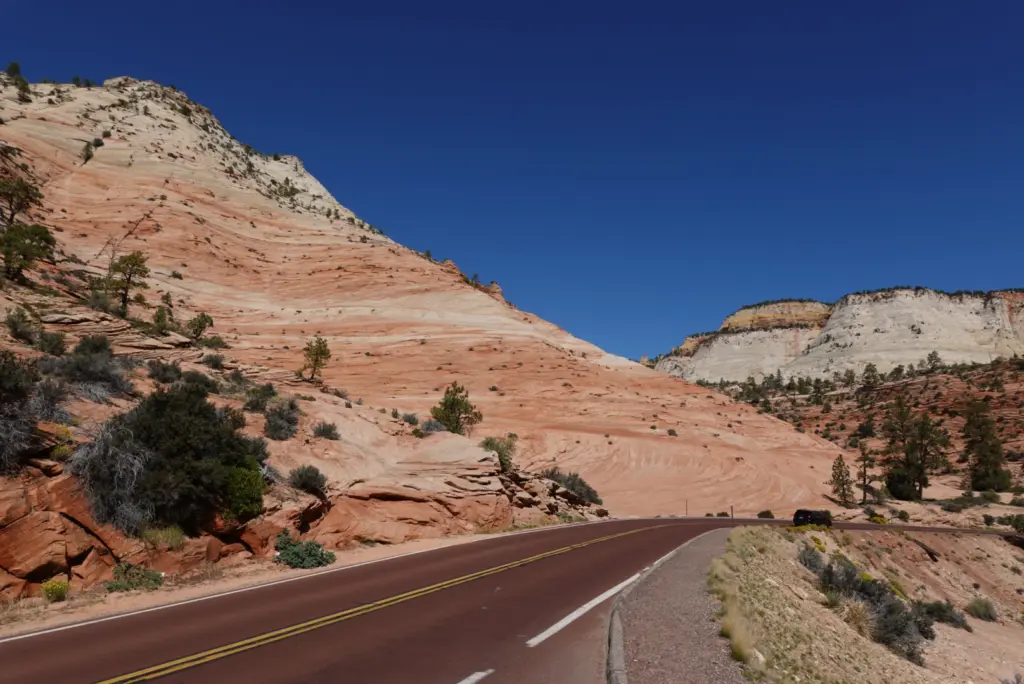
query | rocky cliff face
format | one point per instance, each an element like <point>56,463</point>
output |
<point>260,245</point>
<point>886,328</point>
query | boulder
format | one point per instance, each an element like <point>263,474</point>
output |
<point>34,546</point>
<point>48,467</point>
<point>524,499</point>
<point>97,567</point>
<point>11,587</point>
<point>13,501</point>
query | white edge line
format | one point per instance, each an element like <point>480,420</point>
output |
<point>254,587</point>
<point>476,677</point>
<point>579,612</point>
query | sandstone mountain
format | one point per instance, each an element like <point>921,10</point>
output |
<point>888,328</point>
<point>259,244</point>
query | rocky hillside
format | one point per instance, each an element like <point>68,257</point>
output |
<point>887,328</point>
<point>257,243</point>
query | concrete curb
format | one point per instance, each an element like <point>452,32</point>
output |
<point>616,663</point>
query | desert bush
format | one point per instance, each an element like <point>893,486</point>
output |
<point>811,558</point>
<point>177,275</point>
<point>946,613</point>
<point>166,462</point>
<point>216,361</point>
<point>766,514</point>
<point>894,625</point>
<point>902,515</point>
<point>721,514</point>
<point>20,325</point>
<point>56,590</point>
<point>419,434</point>
<point>164,372</point>
<point>282,419</point>
<point>257,398</point>
<point>326,430</point>
<point>858,615</point>
<point>309,479</point>
<point>94,369</point>
<point>203,380</point>
<point>431,426</point>
<point>46,399</point>
<point>411,419</point>
<point>982,609</point>
<point>17,422</point>
<point>245,493</point>
<point>129,577</point>
<point>672,432</point>
<point>504,447</point>
<point>295,554</point>
<point>213,342</point>
<point>990,496</point>
<point>171,537</point>
<point>50,343</point>
<point>574,483</point>
<point>199,325</point>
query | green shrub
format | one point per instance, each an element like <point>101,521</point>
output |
<point>989,520</point>
<point>20,325</point>
<point>53,344</point>
<point>394,413</point>
<point>721,514</point>
<point>164,372</point>
<point>166,462</point>
<point>177,275</point>
<point>257,398</point>
<point>982,609</point>
<point>990,496</point>
<point>943,611</point>
<point>92,367</point>
<point>21,245</point>
<point>245,493</point>
<point>129,577</point>
<point>418,433</point>
<point>199,325</point>
<point>766,514</point>
<point>309,479</point>
<point>326,430</point>
<point>214,342</point>
<point>171,536</point>
<point>55,590</point>
<point>431,426</point>
<point>504,447</point>
<point>903,515</point>
<point>306,554</point>
<point>282,419</point>
<point>574,483</point>
<point>672,432</point>
<point>411,419</point>
<point>203,380</point>
<point>215,361</point>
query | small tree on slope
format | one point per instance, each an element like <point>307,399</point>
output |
<point>455,412</point>
<point>842,484</point>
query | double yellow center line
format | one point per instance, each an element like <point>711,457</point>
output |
<point>295,630</point>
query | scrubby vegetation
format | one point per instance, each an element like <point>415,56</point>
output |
<point>504,447</point>
<point>574,483</point>
<point>317,354</point>
<point>172,460</point>
<point>309,479</point>
<point>129,577</point>
<point>296,554</point>
<point>164,372</point>
<point>901,627</point>
<point>55,590</point>
<point>326,430</point>
<point>282,419</point>
<point>257,398</point>
<point>93,370</point>
<point>25,399</point>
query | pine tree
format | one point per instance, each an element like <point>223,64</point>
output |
<point>915,449</point>
<point>455,412</point>
<point>842,485</point>
<point>865,462</point>
<point>871,378</point>
<point>984,451</point>
<point>128,273</point>
<point>317,355</point>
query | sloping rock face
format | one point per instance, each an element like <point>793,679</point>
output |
<point>260,245</point>
<point>887,328</point>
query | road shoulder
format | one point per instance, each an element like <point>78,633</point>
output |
<point>663,630</point>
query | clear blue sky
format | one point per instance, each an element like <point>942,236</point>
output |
<point>633,172</point>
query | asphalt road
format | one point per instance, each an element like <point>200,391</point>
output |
<point>503,609</point>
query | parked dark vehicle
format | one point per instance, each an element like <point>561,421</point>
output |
<point>806,517</point>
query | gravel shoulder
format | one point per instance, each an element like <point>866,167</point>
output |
<point>669,631</point>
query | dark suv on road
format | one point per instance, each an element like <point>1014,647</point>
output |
<point>806,517</point>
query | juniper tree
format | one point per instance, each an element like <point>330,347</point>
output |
<point>842,484</point>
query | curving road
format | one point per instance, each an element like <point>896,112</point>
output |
<point>527,607</point>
